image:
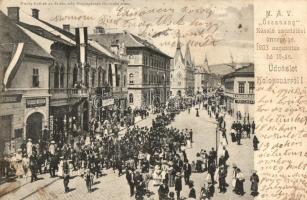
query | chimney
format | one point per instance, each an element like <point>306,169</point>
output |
<point>66,27</point>
<point>13,13</point>
<point>100,30</point>
<point>35,13</point>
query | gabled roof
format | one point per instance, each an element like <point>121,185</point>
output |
<point>11,35</point>
<point>130,40</point>
<point>221,69</point>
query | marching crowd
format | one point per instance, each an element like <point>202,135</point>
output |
<point>143,154</point>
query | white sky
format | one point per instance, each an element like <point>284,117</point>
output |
<point>234,19</point>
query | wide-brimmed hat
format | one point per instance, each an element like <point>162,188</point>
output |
<point>52,142</point>
<point>178,174</point>
<point>29,139</point>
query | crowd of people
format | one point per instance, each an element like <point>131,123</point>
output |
<point>142,154</point>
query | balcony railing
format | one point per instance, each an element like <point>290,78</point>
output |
<point>71,92</point>
<point>74,92</point>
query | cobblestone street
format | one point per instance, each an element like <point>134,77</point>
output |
<point>110,186</point>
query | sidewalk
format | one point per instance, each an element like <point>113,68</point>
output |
<point>11,187</point>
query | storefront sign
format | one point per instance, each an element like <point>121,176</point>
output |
<point>245,101</point>
<point>107,102</point>
<point>10,98</point>
<point>31,103</point>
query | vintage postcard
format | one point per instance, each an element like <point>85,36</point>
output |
<point>162,100</point>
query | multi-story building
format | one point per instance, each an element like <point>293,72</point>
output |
<point>239,88</point>
<point>148,69</point>
<point>24,76</point>
<point>81,70</point>
<point>182,73</point>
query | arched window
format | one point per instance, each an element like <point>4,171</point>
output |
<point>62,77</point>
<point>103,76</point>
<point>56,76</point>
<point>130,98</point>
<point>75,76</point>
<point>86,71</point>
<point>131,78</point>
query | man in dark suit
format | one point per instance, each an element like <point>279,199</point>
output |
<point>187,169</point>
<point>163,191</point>
<point>178,185</point>
<point>130,180</point>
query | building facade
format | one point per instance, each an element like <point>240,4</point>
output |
<point>148,74</point>
<point>239,91</point>
<point>81,71</point>
<point>24,76</point>
<point>182,73</point>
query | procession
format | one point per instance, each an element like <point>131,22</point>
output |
<point>96,110</point>
<point>149,155</point>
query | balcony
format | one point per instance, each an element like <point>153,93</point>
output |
<point>78,93</point>
<point>68,92</point>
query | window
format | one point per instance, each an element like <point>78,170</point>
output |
<point>251,87</point>
<point>75,76</point>
<point>130,98</point>
<point>62,77</point>
<point>125,80</point>
<point>93,77</point>
<point>131,78</point>
<point>117,80</point>
<point>86,71</point>
<point>241,87</point>
<point>35,78</point>
<point>56,76</point>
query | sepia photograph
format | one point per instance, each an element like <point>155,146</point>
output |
<point>127,100</point>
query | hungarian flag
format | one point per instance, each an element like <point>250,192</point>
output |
<point>81,42</point>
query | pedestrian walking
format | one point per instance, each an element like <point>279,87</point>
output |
<point>254,179</point>
<point>163,191</point>
<point>66,180</point>
<point>130,180</point>
<point>88,177</point>
<point>255,143</point>
<point>192,193</point>
<point>222,178</point>
<point>187,170</point>
<point>178,185</point>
